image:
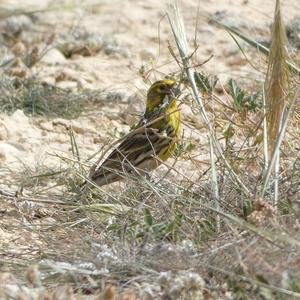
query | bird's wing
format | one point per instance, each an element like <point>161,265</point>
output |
<point>134,152</point>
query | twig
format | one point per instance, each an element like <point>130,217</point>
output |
<point>279,140</point>
<point>214,182</point>
<point>265,129</point>
<point>177,26</point>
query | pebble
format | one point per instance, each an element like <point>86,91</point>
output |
<point>18,72</point>
<point>15,24</point>
<point>48,126</point>
<point>147,54</point>
<point>18,49</point>
<point>67,85</point>
<point>19,129</point>
<point>9,152</point>
<point>48,80</point>
<point>53,57</point>
<point>61,122</point>
<point>19,117</point>
<point>236,61</point>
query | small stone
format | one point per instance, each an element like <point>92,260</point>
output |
<point>147,54</point>
<point>61,138</point>
<point>18,63</point>
<point>48,126</point>
<point>53,57</point>
<point>17,68</point>
<point>19,117</point>
<point>61,122</point>
<point>67,74</point>
<point>18,49</point>
<point>115,96</point>
<point>9,152</point>
<point>78,129</point>
<point>48,80</point>
<point>236,61</point>
<point>147,295</point>
<point>67,84</point>
<point>16,24</point>
<point>97,140</point>
<point>81,83</point>
<point>18,72</point>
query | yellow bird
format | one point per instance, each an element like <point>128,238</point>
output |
<point>154,139</point>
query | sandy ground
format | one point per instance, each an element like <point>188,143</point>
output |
<point>133,35</point>
<point>129,32</point>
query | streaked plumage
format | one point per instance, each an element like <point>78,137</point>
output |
<point>156,135</point>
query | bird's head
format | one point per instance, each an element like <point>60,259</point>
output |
<point>159,92</point>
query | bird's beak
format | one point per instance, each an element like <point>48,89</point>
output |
<point>175,91</point>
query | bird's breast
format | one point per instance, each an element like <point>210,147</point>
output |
<point>173,120</point>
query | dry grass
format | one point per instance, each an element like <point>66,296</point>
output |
<point>277,79</point>
<point>165,237</point>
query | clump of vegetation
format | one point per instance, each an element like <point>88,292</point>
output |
<point>205,84</point>
<point>241,101</point>
<point>37,99</point>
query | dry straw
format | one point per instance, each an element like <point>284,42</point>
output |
<point>278,100</point>
<point>277,79</point>
<point>177,26</point>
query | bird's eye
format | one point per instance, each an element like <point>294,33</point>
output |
<point>162,88</point>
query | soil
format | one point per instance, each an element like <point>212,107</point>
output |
<point>115,49</point>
